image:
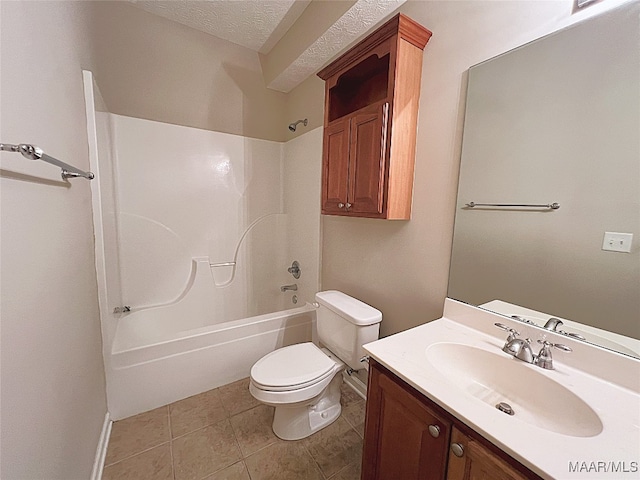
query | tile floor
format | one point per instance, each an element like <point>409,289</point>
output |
<point>225,434</point>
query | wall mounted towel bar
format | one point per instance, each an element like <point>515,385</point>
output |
<point>552,206</point>
<point>34,153</point>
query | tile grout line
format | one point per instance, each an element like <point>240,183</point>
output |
<point>246,469</point>
<point>354,428</point>
<point>220,469</point>
<point>241,459</point>
<point>313,458</point>
<point>137,453</point>
<point>235,437</point>
<point>169,441</point>
<point>276,439</point>
<point>198,429</point>
<point>173,463</point>
<point>228,416</point>
<point>338,472</point>
<point>262,448</point>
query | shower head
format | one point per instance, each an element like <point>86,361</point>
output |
<point>292,126</point>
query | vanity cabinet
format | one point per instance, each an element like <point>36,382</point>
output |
<point>371,110</point>
<point>404,437</point>
<point>469,459</point>
<point>408,437</point>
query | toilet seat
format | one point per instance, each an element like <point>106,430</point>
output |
<point>292,368</point>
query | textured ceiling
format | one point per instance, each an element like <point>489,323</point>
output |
<point>249,23</point>
<point>354,23</point>
<point>260,24</point>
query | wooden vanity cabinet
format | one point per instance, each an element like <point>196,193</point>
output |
<point>371,111</point>
<point>408,437</point>
<point>477,461</point>
<point>404,438</point>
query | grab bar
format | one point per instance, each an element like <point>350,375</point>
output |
<point>552,206</point>
<point>34,153</point>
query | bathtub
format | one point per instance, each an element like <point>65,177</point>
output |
<point>150,365</point>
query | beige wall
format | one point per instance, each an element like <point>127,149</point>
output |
<point>402,267</point>
<point>306,101</point>
<point>152,68</point>
<point>53,392</point>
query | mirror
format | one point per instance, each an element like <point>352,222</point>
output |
<point>555,121</point>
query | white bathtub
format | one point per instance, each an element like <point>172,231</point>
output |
<point>151,367</point>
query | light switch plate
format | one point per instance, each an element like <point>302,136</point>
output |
<point>617,242</point>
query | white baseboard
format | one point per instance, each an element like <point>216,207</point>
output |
<point>101,450</point>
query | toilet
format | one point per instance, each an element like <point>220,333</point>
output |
<point>301,381</point>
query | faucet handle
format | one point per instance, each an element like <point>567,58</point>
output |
<point>572,335</point>
<point>512,333</point>
<point>502,326</point>
<point>559,346</point>
<point>544,358</point>
<point>522,319</point>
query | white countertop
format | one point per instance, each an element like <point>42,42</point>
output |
<point>607,382</point>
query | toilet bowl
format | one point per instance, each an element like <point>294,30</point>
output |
<point>301,380</point>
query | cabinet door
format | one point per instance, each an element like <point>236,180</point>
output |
<point>335,166</point>
<point>398,443</point>
<point>477,462</point>
<point>367,159</point>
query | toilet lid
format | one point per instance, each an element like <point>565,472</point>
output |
<point>292,367</point>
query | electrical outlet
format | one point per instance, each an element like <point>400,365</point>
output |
<point>617,242</point>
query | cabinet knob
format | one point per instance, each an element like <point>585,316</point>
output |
<point>348,205</point>
<point>434,430</point>
<point>341,205</point>
<point>457,449</point>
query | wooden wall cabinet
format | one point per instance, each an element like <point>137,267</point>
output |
<point>409,437</point>
<point>371,110</point>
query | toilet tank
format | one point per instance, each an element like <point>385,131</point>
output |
<point>345,324</point>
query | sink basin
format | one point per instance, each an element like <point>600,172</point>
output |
<point>534,398</point>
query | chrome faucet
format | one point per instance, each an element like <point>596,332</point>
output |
<point>543,359</point>
<point>553,324</point>
<point>517,347</point>
<point>521,349</point>
<point>292,287</point>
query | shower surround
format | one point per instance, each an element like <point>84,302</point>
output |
<point>194,233</point>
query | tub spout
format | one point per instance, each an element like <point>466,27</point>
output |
<point>293,287</point>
